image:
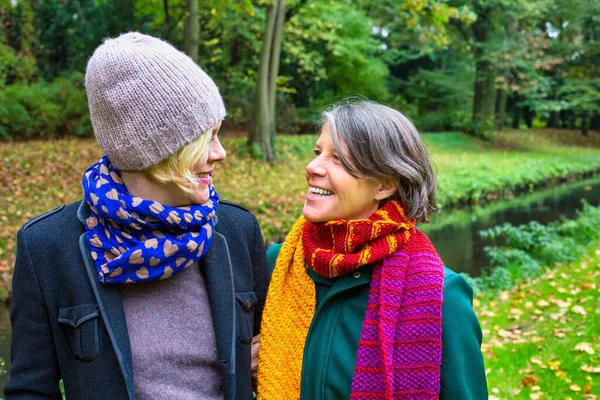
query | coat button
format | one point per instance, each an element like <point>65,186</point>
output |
<point>356,274</point>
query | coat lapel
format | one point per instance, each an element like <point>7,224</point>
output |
<point>111,309</point>
<point>219,283</point>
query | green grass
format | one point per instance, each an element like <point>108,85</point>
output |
<point>470,171</point>
<point>40,175</point>
<point>542,338</point>
<point>542,331</point>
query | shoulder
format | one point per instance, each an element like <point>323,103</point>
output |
<point>42,217</point>
<point>456,285</point>
<point>229,205</point>
<point>52,221</point>
<point>234,213</point>
<point>458,294</point>
<point>237,223</point>
<point>54,232</point>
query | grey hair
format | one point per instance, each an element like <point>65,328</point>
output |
<point>376,142</point>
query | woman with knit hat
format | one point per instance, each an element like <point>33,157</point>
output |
<point>360,304</point>
<point>151,287</point>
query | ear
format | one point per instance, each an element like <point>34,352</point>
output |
<point>385,189</point>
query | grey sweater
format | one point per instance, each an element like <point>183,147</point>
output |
<point>172,338</point>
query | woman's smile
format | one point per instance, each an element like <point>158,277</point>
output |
<point>316,193</point>
<point>205,178</point>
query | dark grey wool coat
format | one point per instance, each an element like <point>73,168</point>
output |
<point>66,325</point>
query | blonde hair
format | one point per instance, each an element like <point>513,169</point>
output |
<point>178,168</point>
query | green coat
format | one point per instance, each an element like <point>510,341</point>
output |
<point>332,340</point>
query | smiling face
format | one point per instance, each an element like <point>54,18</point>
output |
<point>202,173</point>
<point>332,192</point>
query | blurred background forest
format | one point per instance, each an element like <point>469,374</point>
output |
<point>470,65</point>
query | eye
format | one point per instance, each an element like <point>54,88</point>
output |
<point>335,158</point>
<point>317,152</point>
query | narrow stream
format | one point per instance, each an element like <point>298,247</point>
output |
<point>456,234</point>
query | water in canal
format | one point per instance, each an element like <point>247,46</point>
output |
<point>455,234</point>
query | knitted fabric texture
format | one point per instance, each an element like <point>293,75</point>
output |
<point>137,240</point>
<point>147,100</point>
<point>400,348</point>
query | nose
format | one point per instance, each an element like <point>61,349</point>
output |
<point>315,168</point>
<point>216,152</point>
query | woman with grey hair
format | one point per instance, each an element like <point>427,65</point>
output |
<point>360,304</point>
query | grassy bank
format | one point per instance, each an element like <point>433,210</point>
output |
<point>38,176</point>
<point>541,338</point>
<point>541,329</point>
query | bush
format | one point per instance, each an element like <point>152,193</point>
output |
<point>44,109</point>
<point>15,67</point>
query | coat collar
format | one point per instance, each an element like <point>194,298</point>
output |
<point>218,275</point>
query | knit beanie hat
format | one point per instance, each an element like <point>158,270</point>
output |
<point>147,100</point>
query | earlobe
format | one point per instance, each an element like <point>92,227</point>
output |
<point>386,189</point>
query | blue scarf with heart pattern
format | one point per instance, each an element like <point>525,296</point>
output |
<point>137,240</point>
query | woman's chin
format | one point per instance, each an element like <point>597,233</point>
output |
<point>200,196</point>
<point>313,215</point>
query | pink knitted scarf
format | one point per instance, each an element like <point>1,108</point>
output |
<point>400,349</point>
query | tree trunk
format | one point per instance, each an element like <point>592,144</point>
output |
<point>192,29</point>
<point>585,123</point>
<point>572,119</point>
<point>274,70</point>
<point>553,120</point>
<point>517,113</point>
<point>261,138</point>
<point>564,119</point>
<point>501,112</point>
<point>166,8</point>
<point>595,122</point>
<point>484,101</point>
<point>528,115</point>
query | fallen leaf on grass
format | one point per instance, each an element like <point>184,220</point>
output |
<point>584,346</point>
<point>529,380</point>
<point>542,303</point>
<point>536,360</point>
<point>554,365</point>
<point>579,310</point>
<point>588,286</point>
<point>560,374</point>
<point>505,334</point>
<point>590,370</point>
<point>575,388</point>
<point>587,388</point>
<point>563,304</point>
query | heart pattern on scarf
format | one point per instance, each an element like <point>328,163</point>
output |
<point>132,239</point>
